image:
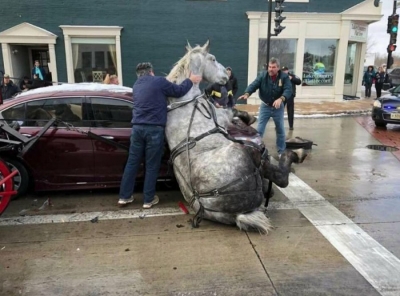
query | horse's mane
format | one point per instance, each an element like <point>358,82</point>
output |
<point>181,68</point>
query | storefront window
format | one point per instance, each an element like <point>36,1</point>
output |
<point>319,62</point>
<point>350,58</point>
<point>282,49</point>
<point>93,58</point>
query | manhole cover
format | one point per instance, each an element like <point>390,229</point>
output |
<point>382,148</point>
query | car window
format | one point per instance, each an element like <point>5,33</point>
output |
<point>39,112</point>
<point>395,72</point>
<point>112,112</point>
<point>15,113</point>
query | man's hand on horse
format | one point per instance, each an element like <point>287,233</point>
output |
<point>244,97</point>
<point>196,79</point>
<point>218,105</point>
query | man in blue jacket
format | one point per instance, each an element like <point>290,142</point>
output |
<point>150,95</point>
<point>274,88</point>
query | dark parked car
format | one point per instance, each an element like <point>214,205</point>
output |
<point>67,158</point>
<point>386,109</point>
<point>394,76</point>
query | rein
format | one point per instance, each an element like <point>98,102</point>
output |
<point>190,142</point>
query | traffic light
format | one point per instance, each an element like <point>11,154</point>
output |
<point>278,16</point>
<point>394,28</point>
<point>390,22</point>
<point>391,47</point>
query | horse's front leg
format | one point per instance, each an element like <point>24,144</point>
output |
<point>279,174</point>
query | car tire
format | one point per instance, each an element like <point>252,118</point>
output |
<point>380,123</point>
<point>21,179</point>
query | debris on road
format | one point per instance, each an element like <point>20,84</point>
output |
<point>46,204</point>
<point>127,250</point>
<point>3,248</point>
<point>142,216</point>
<point>179,225</point>
<point>95,220</point>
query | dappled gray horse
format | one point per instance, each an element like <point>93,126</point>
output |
<point>221,179</point>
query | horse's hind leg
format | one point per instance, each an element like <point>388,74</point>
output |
<point>280,174</point>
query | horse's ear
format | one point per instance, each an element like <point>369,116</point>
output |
<point>206,46</point>
<point>188,47</point>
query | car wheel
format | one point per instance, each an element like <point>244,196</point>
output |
<point>21,179</point>
<point>380,123</point>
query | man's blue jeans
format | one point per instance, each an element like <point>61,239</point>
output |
<point>266,112</point>
<point>147,141</point>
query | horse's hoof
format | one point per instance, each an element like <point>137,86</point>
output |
<point>301,155</point>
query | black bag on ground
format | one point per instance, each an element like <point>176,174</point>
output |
<point>297,143</point>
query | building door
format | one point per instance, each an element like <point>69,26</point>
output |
<point>351,69</point>
<point>42,55</point>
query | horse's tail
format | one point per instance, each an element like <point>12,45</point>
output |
<point>253,220</point>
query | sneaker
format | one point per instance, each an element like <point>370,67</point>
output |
<point>150,204</point>
<point>125,201</point>
<point>291,128</point>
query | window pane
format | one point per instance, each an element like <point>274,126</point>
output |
<point>282,49</point>
<point>16,113</point>
<point>93,61</point>
<point>350,59</point>
<point>112,112</point>
<point>319,62</point>
<point>66,109</point>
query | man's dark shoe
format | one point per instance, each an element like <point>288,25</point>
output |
<point>291,128</point>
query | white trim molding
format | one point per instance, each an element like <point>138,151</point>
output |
<point>27,34</point>
<point>94,32</point>
<point>305,26</point>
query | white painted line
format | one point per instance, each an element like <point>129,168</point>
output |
<point>110,215</point>
<point>375,263</point>
<point>87,216</point>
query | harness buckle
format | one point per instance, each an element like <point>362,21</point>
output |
<point>215,192</point>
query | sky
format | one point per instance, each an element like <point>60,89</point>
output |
<point>377,31</point>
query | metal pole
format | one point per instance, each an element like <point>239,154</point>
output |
<point>269,31</point>
<point>389,52</point>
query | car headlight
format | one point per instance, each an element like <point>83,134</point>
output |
<point>377,104</point>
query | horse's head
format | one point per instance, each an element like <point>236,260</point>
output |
<point>199,61</point>
<point>205,64</point>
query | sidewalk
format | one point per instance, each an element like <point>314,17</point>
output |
<point>361,106</point>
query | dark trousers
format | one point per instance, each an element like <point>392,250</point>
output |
<point>378,87</point>
<point>368,90</point>
<point>290,110</point>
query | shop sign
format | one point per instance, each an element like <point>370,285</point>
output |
<point>358,32</point>
<point>317,78</point>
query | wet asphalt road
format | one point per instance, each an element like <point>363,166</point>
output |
<point>163,255</point>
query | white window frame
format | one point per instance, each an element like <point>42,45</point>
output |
<point>91,32</point>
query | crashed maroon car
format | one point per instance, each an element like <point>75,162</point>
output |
<point>66,157</point>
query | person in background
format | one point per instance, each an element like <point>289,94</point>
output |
<point>220,95</point>
<point>368,78</point>
<point>111,79</point>
<point>290,102</point>
<point>37,82</point>
<point>149,117</point>
<point>8,88</point>
<point>39,71</point>
<point>380,78</point>
<point>25,83</point>
<point>233,81</point>
<point>274,89</point>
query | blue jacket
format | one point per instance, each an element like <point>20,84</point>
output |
<point>150,95</point>
<point>269,91</point>
<point>41,69</point>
